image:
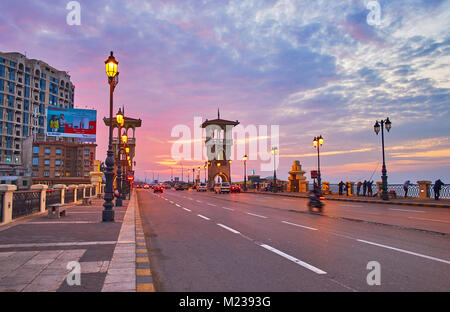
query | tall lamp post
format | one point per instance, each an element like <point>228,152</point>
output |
<point>120,122</point>
<point>274,152</point>
<point>318,141</point>
<point>124,139</point>
<point>205,166</point>
<point>384,185</point>
<point>245,172</point>
<point>113,80</point>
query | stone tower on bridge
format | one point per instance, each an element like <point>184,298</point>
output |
<point>219,140</point>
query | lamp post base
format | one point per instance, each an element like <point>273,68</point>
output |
<point>108,215</point>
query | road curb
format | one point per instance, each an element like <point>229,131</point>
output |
<point>144,279</point>
<point>361,201</point>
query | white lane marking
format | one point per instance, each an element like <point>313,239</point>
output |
<point>58,244</point>
<point>212,205</point>
<point>190,198</point>
<point>404,251</point>
<point>406,210</point>
<point>206,218</point>
<point>170,201</point>
<point>293,259</point>
<point>228,208</point>
<point>424,219</point>
<point>287,199</point>
<point>187,209</point>
<point>177,205</point>
<point>228,228</point>
<point>198,201</point>
<point>347,205</point>
<point>62,222</point>
<point>302,226</point>
<point>259,216</point>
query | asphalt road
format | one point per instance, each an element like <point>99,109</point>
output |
<point>247,242</point>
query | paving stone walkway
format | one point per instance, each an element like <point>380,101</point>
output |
<point>37,254</point>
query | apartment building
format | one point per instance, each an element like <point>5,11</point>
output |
<point>27,88</point>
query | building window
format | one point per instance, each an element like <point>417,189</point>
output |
<point>11,86</point>
<point>86,163</point>
<point>12,74</point>
<point>2,85</point>
<point>57,174</point>
<point>86,152</point>
<point>47,151</point>
<point>35,149</point>
<point>58,151</point>
<point>46,173</point>
<point>47,162</point>
<point>57,162</point>
<point>2,71</point>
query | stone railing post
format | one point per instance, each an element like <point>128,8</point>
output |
<point>74,187</point>
<point>7,191</point>
<point>61,187</point>
<point>43,188</point>
<point>82,186</point>
<point>424,189</point>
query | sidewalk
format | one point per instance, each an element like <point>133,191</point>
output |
<point>442,203</point>
<point>35,251</point>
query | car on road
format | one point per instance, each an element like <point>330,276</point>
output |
<point>235,188</point>
<point>201,187</point>
<point>146,186</point>
<point>178,187</point>
<point>158,188</point>
<point>223,187</point>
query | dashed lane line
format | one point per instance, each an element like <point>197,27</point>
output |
<point>177,205</point>
<point>228,228</point>
<point>407,210</point>
<point>293,259</point>
<point>302,226</point>
<point>203,217</point>
<point>228,208</point>
<point>212,205</point>
<point>404,251</point>
<point>187,209</point>
<point>256,215</point>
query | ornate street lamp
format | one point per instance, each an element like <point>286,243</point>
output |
<point>274,152</point>
<point>245,172</point>
<point>120,122</point>
<point>113,79</point>
<point>384,184</point>
<point>205,166</point>
<point>124,140</point>
<point>318,141</point>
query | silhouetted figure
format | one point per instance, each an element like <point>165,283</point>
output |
<point>346,189</point>
<point>358,188</point>
<point>364,187</point>
<point>437,188</point>
<point>405,187</point>
<point>341,185</point>
<point>369,188</point>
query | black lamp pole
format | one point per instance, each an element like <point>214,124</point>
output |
<point>108,212</point>
<point>119,167</point>
<point>245,173</point>
<point>384,184</point>
<point>318,141</point>
<point>274,150</point>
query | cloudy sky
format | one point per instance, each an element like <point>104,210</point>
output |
<point>311,67</point>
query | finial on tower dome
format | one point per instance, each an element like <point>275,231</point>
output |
<point>218,113</point>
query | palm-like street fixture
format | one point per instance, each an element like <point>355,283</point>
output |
<point>381,125</point>
<point>274,152</point>
<point>245,158</point>
<point>113,79</point>
<point>120,122</point>
<point>318,141</point>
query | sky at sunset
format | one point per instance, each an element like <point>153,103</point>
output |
<point>311,67</point>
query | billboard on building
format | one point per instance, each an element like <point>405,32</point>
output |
<point>72,123</point>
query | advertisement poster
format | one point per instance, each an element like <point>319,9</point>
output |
<point>72,123</point>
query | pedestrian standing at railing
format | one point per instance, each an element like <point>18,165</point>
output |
<point>341,185</point>
<point>364,187</point>
<point>437,188</point>
<point>405,187</point>
<point>358,188</point>
<point>369,188</point>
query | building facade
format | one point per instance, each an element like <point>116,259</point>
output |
<point>27,88</point>
<point>61,161</point>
